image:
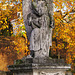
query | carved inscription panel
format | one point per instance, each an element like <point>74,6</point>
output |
<point>49,72</point>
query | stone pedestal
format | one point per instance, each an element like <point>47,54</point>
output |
<point>39,66</point>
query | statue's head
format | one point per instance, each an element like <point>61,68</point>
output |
<point>40,7</point>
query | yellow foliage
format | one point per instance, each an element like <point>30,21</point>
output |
<point>64,31</point>
<point>8,50</point>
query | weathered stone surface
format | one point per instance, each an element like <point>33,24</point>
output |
<point>38,19</point>
<point>41,63</point>
<point>40,66</point>
<point>41,47</point>
<point>49,72</point>
<point>20,73</point>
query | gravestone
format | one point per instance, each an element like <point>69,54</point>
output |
<point>38,19</point>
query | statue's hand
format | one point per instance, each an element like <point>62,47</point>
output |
<point>34,21</point>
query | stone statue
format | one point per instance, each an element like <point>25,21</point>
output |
<point>38,19</point>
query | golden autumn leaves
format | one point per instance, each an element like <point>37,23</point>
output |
<point>21,46</point>
<point>64,31</point>
<point>8,13</point>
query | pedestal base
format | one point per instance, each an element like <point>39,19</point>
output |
<point>40,66</point>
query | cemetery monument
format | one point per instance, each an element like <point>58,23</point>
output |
<point>38,20</point>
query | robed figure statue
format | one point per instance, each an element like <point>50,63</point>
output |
<point>38,20</point>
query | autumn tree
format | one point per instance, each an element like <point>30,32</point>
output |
<point>5,17</point>
<point>64,31</point>
<point>14,47</point>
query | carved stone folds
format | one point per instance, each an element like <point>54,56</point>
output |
<point>37,18</point>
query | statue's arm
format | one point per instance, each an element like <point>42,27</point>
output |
<point>34,21</point>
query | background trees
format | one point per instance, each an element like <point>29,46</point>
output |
<point>11,47</point>
<point>63,33</point>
